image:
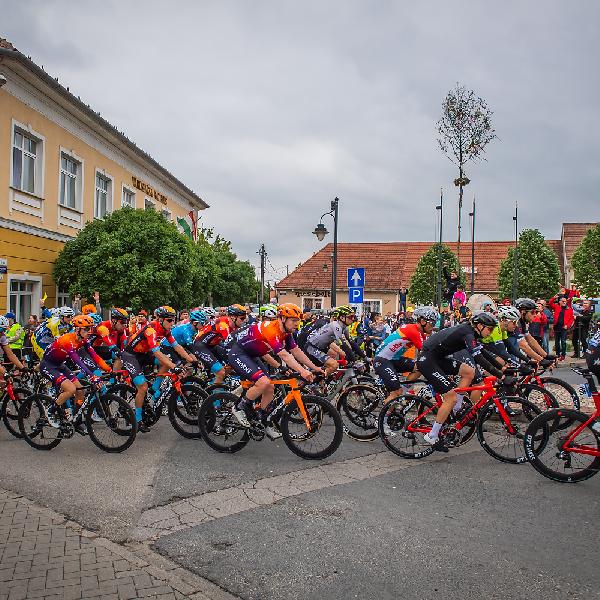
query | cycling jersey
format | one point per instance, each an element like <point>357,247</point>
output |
<point>497,335</point>
<point>261,338</point>
<point>404,342</point>
<point>106,334</point>
<point>3,340</point>
<point>322,338</point>
<point>47,332</point>
<point>147,340</point>
<point>183,334</point>
<point>215,333</point>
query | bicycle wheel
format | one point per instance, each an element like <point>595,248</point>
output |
<point>10,410</point>
<point>538,395</point>
<point>183,410</point>
<point>326,428</point>
<point>111,423</point>
<point>33,424</point>
<point>566,395</point>
<point>494,436</point>
<point>545,437</point>
<point>359,407</point>
<point>218,427</point>
<point>394,419</point>
<point>126,392</point>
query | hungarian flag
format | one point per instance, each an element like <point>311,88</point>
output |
<point>189,225</point>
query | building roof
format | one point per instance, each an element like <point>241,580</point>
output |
<point>572,234</point>
<point>390,265</point>
<point>8,51</point>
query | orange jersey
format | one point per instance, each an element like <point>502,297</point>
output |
<point>214,333</point>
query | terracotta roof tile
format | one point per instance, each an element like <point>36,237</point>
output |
<point>390,265</point>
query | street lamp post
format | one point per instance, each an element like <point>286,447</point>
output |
<point>472,215</point>
<point>321,231</point>
<point>440,207</point>
<point>516,256</point>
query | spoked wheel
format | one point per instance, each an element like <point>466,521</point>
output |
<point>495,436</point>
<point>564,393</point>
<point>10,410</point>
<point>544,441</point>
<point>183,410</point>
<point>33,424</point>
<point>538,395</point>
<point>359,407</point>
<point>111,423</point>
<point>394,420</point>
<point>325,431</point>
<point>218,427</point>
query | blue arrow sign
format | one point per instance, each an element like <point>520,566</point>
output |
<point>355,295</point>
<point>356,277</point>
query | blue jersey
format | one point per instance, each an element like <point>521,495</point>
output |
<point>183,334</point>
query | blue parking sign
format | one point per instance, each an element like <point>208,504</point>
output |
<point>355,295</point>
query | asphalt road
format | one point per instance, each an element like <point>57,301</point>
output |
<point>460,524</point>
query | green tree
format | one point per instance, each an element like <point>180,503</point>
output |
<point>136,258</point>
<point>423,282</point>
<point>538,274</point>
<point>586,263</point>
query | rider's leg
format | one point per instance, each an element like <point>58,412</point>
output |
<point>68,391</point>
<point>263,387</point>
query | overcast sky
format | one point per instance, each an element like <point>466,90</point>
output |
<point>268,110</point>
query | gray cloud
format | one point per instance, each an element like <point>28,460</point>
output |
<point>270,109</point>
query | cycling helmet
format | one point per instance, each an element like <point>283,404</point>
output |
<point>198,316</point>
<point>333,312</point>
<point>209,312</point>
<point>510,313</point>
<point>96,318</point>
<point>119,314</point>
<point>4,324</point>
<point>485,318</point>
<point>289,311</point>
<point>236,310</point>
<point>525,304</point>
<point>55,312</point>
<point>88,309</point>
<point>426,312</point>
<point>268,310</point>
<point>66,311</point>
<point>163,312</point>
<point>11,315</point>
<point>83,321</point>
<point>344,311</point>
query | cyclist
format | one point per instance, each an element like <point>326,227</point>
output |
<point>397,353</point>
<point>268,312</point>
<point>211,313</point>
<point>5,347</point>
<point>520,338</point>
<point>208,345</point>
<point>58,324</point>
<point>53,364</point>
<point>111,336</point>
<point>592,354</point>
<point>496,342</point>
<point>142,349</point>
<point>436,364</point>
<point>257,341</point>
<point>184,335</point>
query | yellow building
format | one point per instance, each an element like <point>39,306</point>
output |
<point>62,164</point>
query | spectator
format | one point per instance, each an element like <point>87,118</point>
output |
<point>549,324</point>
<point>563,321</point>
<point>222,311</point>
<point>460,295</point>
<point>15,335</point>
<point>401,319</point>
<point>452,282</point>
<point>583,318</point>
<point>77,303</point>
<point>538,324</point>
<point>402,298</point>
<point>32,324</point>
<point>184,317</point>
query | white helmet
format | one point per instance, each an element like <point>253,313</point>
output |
<point>429,313</point>
<point>210,312</point>
<point>4,324</point>
<point>66,311</point>
<point>510,313</point>
<point>55,312</point>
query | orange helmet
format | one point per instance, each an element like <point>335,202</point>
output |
<point>289,310</point>
<point>82,321</point>
<point>119,314</point>
<point>88,308</point>
<point>236,310</point>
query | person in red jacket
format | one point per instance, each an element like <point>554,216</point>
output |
<point>564,319</point>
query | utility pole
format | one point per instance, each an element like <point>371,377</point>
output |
<point>516,255</point>
<point>263,255</point>
<point>472,215</point>
<point>440,207</point>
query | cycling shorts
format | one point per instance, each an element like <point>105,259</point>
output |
<point>247,367</point>
<point>438,371</point>
<point>465,357</point>
<point>135,363</point>
<point>210,357</point>
<point>56,373</point>
<point>388,371</point>
<point>317,356</point>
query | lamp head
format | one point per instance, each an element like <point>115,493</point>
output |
<point>320,231</point>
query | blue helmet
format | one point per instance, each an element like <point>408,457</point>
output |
<point>96,318</point>
<point>198,316</point>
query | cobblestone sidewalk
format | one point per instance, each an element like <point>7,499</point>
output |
<point>44,556</point>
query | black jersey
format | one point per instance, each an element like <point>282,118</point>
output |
<point>451,340</point>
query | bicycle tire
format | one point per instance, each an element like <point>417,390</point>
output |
<point>215,419</point>
<point>359,420</point>
<point>184,419</point>
<point>486,429</point>
<point>117,416</point>
<point>393,418</point>
<point>10,410</point>
<point>32,408</point>
<point>561,395</point>
<point>540,447</point>
<point>544,399</point>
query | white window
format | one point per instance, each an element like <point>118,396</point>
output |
<point>27,161</point>
<point>312,303</point>
<point>148,204</point>
<point>370,306</point>
<point>103,199</point>
<point>63,298</point>
<point>128,197</point>
<point>23,296</point>
<point>70,181</point>
<point>166,213</point>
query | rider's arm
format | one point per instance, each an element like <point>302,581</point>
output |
<point>270,361</point>
<point>533,343</point>
<point>333,346</point>
<point>163,359</point>
<point>524,345</point>
<point>303,359</point>
<point>12,357</point>
<point>97,359</point>
<point>291,362</point>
